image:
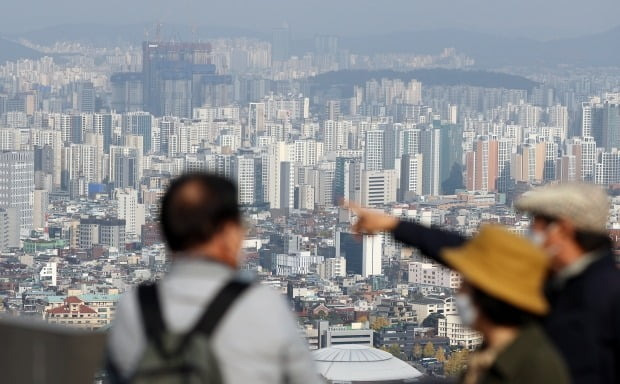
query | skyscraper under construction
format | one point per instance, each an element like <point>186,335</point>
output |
<point>179,77</point>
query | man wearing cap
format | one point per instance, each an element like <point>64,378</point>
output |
<point>502,297</point>
<point>583,289</point>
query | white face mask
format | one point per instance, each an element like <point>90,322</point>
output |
<point>539,238</point>
<point>466,309</point>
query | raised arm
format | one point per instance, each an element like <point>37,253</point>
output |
<point>430,241</point>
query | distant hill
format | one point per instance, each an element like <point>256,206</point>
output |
<point>344,81</point>
<point>489,51</point>
<point>492,51</point>
<point>123,34</point>
<point>11,51</point>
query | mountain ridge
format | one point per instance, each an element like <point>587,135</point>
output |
<point>489,51</point>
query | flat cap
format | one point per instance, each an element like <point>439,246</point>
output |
<point>585,205</point>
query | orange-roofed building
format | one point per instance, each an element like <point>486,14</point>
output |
<point>73,313</point>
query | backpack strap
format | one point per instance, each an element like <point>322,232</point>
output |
<point>219,306</point>
<point>152,318</point>
<point>153,322</point>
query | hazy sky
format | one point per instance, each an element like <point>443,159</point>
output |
<point>533,18</point>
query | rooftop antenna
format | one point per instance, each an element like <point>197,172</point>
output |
<point>158,27</point>
<point>195,33</point>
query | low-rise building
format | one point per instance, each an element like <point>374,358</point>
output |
<point>431,304</point>
<point>435,275</point>
<point>73,313</point>
<point>322,335</point>
<point>460,336</point>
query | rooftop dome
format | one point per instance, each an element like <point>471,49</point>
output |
<point>352,363</point>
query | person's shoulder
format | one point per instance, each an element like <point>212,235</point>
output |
<point>266,309</point>
<point>128,306</point>
<point>263,294</point>
<point>546,361</point>
<point>607,273</point>
<point>263,302</point>
<point>128,299</point>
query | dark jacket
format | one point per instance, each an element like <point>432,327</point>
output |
<point>584,322</point>
<point>530,359</point>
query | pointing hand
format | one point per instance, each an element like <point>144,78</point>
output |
<point>370,221</point>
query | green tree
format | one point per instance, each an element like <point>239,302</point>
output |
<point>456,363</point>
<point>380,322</point>
<point>395,350</point>
<point>417,351</point>
<point>440,355</point>
<point>429,350</point>
<point>335,318</point>
<point>432,321</point>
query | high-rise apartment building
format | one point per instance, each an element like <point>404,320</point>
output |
<point>410,141</point>
<point>139,123</point>
<point>558,118</point>
<point>127,92</point>
<point>482,165</point>
<point>504,156</point>
<point>430,147</point>
<point>287,185</point>
<point>51,139</point>
<point>551,155</point>
<point>124,168</point>
<point>611,125</point>
<point>17,185</point>
<point>411,176</point>
<point>102,125</point>
<point>107,232</point>
<point>362,258</point>
<point>40,208</point>
<point>85,97</point>
<point>335,267</point>
<point>567,169</point>
<point>378,187</point>
<point>347,179</point>
<point>9,229</point>
<point>81,161</point>
<point>332,110</point>
<point>451,156</point>
<point>281,43</point>
<point>256,120</point>
<point>130,210</point>
<point>334,135</point>
<point>245,176</point>
<point>374,150</point>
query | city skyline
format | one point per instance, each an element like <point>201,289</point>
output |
<point>300,118</point>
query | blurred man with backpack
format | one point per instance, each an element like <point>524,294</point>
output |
<point>202,323</point>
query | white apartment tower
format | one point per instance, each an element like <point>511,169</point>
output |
<point>244,176</point>
<point>378,187</point>
<point>372,253</point>
<point>17,185</point>
<point>373,152</point>
<point>410,176</point>
<point>130,210</point>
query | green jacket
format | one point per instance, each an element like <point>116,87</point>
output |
<point>530,359</point>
